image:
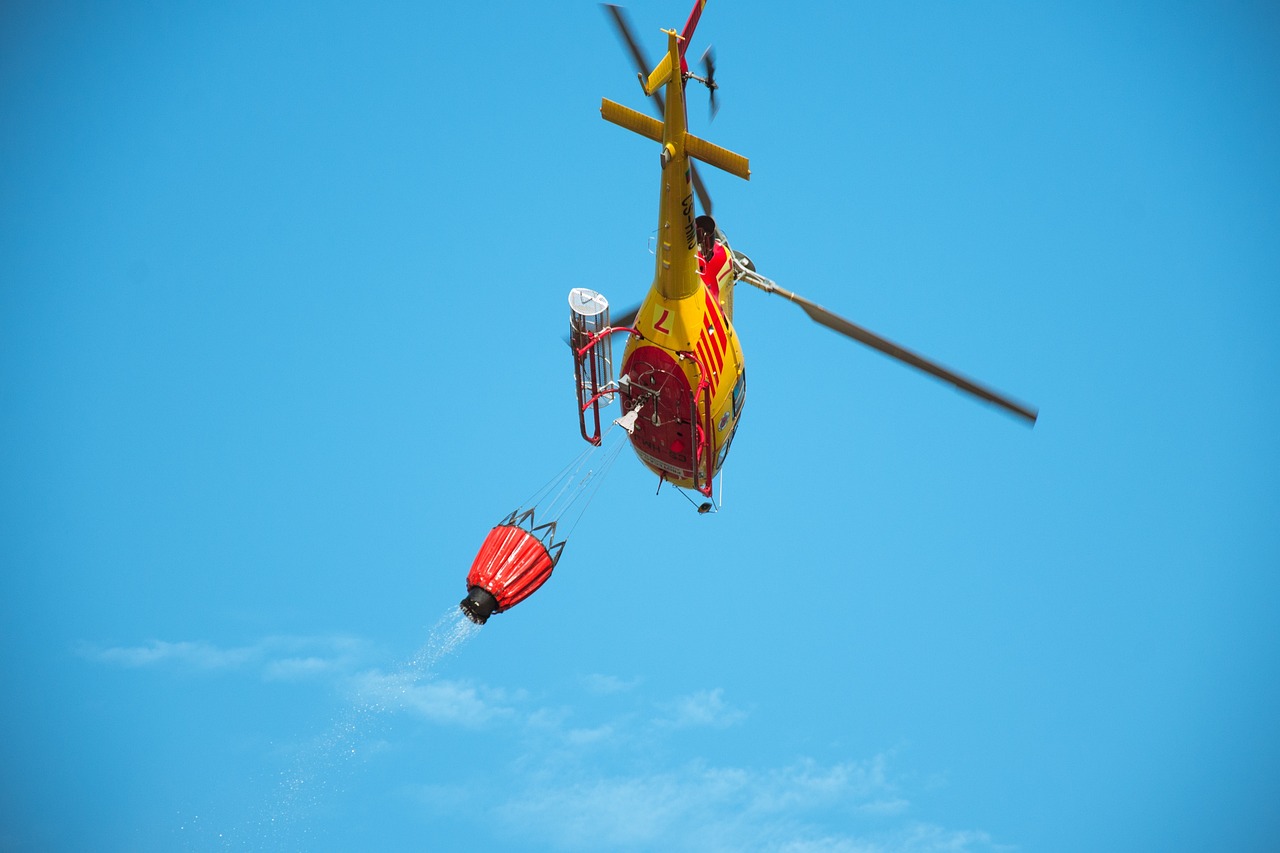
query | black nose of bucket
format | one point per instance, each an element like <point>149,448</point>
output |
<point>478,605</point>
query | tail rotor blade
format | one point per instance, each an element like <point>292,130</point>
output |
<point>709,71</point>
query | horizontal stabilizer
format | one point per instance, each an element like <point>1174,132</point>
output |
<point>695,147</point>
<point>647,126</point>
<point>721,158</point>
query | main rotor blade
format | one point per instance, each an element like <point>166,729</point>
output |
<point>686,35</point>
<point>699,188</point>
<point>865,336</point>
<point>623,26</point>
<point>626,318</point>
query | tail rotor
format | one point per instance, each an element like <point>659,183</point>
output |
<point>709,77</point>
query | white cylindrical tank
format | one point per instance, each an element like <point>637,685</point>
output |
<point>589,315</point>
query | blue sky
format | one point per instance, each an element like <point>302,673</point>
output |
<point>281,338</point>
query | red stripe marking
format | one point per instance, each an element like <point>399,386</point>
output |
<point>711,347</point>
<point>714,310</point>
<point>713,380</point>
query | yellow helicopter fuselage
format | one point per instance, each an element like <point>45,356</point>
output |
<point>682,369</point>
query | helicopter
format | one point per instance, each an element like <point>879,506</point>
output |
<point>682,380</point>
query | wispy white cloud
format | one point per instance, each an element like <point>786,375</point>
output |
<point>444,702</point>
<point>705,808</point>
<point>564,802</point>
<point>586,737</point>
<point>272,658</point>
<point>337,659</point>
<point>808,784</point>
<point>703,708</point>
<point>605,685</point>
<point>884,807</point>
<point>294,669</point>
<point>928,838</point>
<point>195,655</point>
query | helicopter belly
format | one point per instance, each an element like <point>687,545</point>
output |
<point>681,434</point>
<point>679,372</point>
<point>665,435</point>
